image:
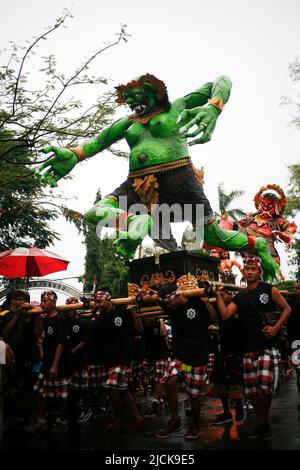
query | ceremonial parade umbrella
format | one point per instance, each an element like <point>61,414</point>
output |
<point>30,262</point>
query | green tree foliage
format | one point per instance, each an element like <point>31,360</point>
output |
<point>30,118</point>
<point>93,262</point>
<point>115,271</point>
<point>225,200</point>
<point>23,216</point>
<point>294,73</point>
<point>294,258</point>
<point>293,193</point>
<point>102,262</point>
<point>50,113</point>
<point>285,285</point>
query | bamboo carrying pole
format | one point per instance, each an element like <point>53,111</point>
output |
<point>148,299</point>
<point>121,301</point>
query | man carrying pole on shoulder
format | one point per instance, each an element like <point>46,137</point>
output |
<point>261,354</point>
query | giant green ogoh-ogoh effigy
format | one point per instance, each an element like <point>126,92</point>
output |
<point>160,168</point>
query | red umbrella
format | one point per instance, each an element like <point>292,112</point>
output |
<point>30,262</point>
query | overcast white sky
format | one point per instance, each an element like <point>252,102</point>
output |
<point>185,44</point>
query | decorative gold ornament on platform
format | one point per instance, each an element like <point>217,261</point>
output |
<point>158,278</point>
<point>204,275</point>
<point>132,289</point>
<point>187,282</point>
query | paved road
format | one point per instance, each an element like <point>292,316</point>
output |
<point>285,422</point>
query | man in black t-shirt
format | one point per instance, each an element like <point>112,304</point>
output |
<point>157,357</point>
<point>54,379</point>
<point>96,369</point>
<point>189,320</point>
<point>17,328</point>
<point>261,355</point>
<point>18,331</point>
<point>293,325</point>
<point>79,333</point>
<point>225,381</point>
<point>118,326</point>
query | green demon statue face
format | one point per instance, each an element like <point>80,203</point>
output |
<point>144,95</point>
<point>141,101</point>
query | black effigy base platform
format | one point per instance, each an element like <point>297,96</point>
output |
<point>170,267</point>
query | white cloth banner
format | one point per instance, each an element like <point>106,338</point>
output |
<point>2,352</point>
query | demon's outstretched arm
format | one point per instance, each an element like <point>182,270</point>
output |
<point>203,107</point>
<point>64,160</point>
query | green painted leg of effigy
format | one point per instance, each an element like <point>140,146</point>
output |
<point>130,229</point>
<point>237,241</point>
<point>138,227</point>
<point>107,209</point>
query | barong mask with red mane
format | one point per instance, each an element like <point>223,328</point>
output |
<point>270,200</point>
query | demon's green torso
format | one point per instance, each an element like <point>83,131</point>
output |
<point>157,141</point>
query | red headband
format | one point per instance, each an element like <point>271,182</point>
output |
<point>48,295</point>
<point>101,294</point>
<point>170,296</point>
<point>71,300</point>
<point>253,261</point>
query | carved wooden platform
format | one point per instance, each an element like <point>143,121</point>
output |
<point>187,269</point>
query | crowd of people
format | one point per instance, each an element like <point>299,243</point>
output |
<point>62,367</point>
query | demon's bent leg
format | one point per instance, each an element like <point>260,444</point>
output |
<point>130,229</point>
<point>237,241</point>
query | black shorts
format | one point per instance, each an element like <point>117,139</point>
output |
<point>176,186</point>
